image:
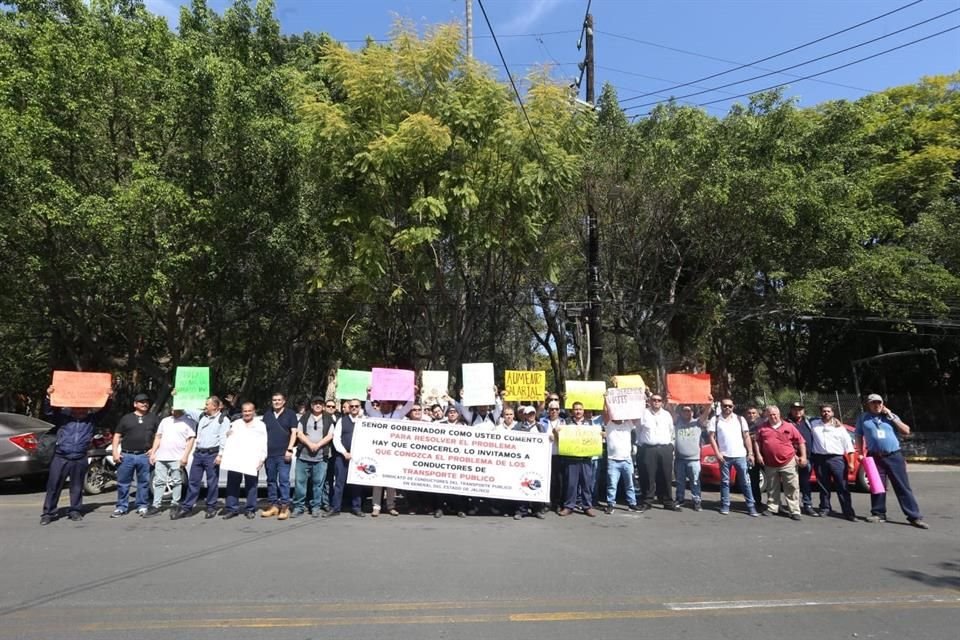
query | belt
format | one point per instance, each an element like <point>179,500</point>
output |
<point>134,453</point>
<point>884,455</point>
<point>208,450</point>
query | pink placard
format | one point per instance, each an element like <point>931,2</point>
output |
<point>392,384</point>
<point>873,476</point>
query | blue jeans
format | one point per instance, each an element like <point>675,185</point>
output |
<point>618,470</point>
<point>316,474</point>
<point>688,470</point>
<point>893,466</point>
<point>130,463</point>
<point>278,477</point>
<point>743,482</point>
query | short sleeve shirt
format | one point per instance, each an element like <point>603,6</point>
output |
<point>278,430</point>
<point>174,434</point>
<point>136,432</point>
<point>878,432</point>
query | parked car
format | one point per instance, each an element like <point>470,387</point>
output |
<point>710,468</point>
<point>18,447</point>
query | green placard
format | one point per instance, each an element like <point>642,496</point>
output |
<point>353,384</point>
<point>580,441</point>
<point>193,387</point>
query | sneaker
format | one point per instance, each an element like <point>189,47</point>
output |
<point>176,514</point>
<point>376,511</point>
<point>118,513</point>
<point>919,524</point>
<point>765,513</point>
<point>358,513</point>
<point>296,513</point>
<point>608,510</point>
<point>875,519</point>
<point>461,514</point>
<point>643,508</point>
<point>152,511</point>
<point>210,513</point>
<point>330,514</point>
<point>45,520</point>
<point>540,515</point>
<point>795,517</point>
<point>518,516</point>
<point>809,511</point>
<point>851,517</point>
<point>724,512</point>
<point>697,507</point>
<point>438,513</point>
<point>393,512</point>
<point>250,515</point>
<point>676,507</point>
<point>230,514</point>
<point>753,513</point>
<point>142,511</point>
<point>632,507</point>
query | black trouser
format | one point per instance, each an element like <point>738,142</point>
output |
<point>833,469</point>
<point>658,465</point>
<point>60,469</point>
<point>806,488</point>
<point>558,487</point>
<point>755,472</point>
<point>204,466</point>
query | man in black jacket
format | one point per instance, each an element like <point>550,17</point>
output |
<point>74,430</point>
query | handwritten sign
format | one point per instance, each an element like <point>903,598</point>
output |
<point>629,382</point>
<point>80,389</point>
<point>392,384</point>
<point>193,387</point>
<point>580,441</point>
<point>688,388</point>
<point>625,404</point>
<point>433,386</point>
<point>525,385</point>
<point>478,384</point>
<point>589,392</point>
<point>352,384</point>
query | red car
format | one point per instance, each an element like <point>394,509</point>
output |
<point>710,468</point>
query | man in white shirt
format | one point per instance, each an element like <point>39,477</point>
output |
<point>831,447</point>
<point>244,453</point>
<point>730,437</point>
<point>170,452</point>
<point>655,440</point>
<point>619,437</point>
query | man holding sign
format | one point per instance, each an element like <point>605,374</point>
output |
<point>579,441</point>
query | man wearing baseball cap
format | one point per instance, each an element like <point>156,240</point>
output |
<point>878,427</point>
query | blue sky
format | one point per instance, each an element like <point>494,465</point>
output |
<point>650,46</point>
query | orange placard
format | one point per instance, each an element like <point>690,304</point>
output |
<point>79,389</point>
<point>688,388</point>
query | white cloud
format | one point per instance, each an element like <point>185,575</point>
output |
<point>531,13</point>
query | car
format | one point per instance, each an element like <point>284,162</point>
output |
<point>18,449</point>
<point>710,468</point>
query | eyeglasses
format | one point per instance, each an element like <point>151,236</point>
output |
<point>726,406</point>
<point>416,409</point>
<point>656,399</point>
<point>354,406</point>
<point>331,406</point>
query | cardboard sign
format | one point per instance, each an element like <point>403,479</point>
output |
<point>688,388</point>
<point>193,387</point>
<point>80,389</point>
<point>392,384</point>
<point>580,441</point>
<point>629,382</point>
<point>433,386</point>
<point>525,385</point>
<point>478,384</point>
<point>625,404</point>
<point>589,392</point>
<point>352,384</point>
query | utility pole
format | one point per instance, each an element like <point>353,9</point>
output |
<point>593,236</point>
<point>469,20</point>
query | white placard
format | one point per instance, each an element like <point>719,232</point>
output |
<point>478,384</point>
<point>625,404</point>
<point>452,459</point>
<point>433,386</point>
<point>244,447</point>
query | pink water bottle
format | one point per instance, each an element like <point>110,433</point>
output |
<point>873,476</point>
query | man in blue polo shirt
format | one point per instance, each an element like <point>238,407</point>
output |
<point>878,427</point>
<point>281,436</point>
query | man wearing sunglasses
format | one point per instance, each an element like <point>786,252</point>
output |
<point>730,437</point>
<point>655,438</point>
<point>342,443</point>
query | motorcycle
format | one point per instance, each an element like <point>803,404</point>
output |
<point>101,469</point>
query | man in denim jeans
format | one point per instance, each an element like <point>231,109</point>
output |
<point>281,423</point>
<point>688,432</point>
<point>314,435</point>
<point>730,438</point>
<point>132,439</point>
<point>619,437</point>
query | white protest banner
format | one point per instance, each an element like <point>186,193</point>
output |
<point>625,404</point>
<point>433,386</point>
<point>450,458</point>
<point>478,384</point>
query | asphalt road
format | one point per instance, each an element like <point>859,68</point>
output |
<point>657,575</point>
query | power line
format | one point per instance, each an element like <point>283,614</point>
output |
<point>777,55</point>
<point>510,77</point>
<point>799,64</point>
<point>837,68</point>
<point>539,34</point>
<point>708,57</point>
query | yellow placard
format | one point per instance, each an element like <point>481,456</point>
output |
<point>525,385</point>
<point>629,382</point>
<point>580,441</point>
<point>588,392</point>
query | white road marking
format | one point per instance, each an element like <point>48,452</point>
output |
<point>798,602</point>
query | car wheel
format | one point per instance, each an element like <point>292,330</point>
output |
<point>862,483</point>
<point>95,480</point>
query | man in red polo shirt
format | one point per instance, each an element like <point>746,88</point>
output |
<point>779,450</point>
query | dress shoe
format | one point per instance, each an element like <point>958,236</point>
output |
<point>45,520</point>
<point>564,512</point>
<point>358,513</point>
<point>151,512</point>
<point>176,514</point>
<point>230,514</point>
<point>75,516</point>
<point>210,513</point>
<point>250,515</point>
<point>274,510</point>
<point>330,514</point>
<point>590,513</point>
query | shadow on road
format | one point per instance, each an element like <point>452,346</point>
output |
<point>948,580</point>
